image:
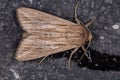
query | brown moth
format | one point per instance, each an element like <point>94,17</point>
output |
<point>46,34</point>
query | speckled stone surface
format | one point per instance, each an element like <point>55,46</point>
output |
<point>104,48</point>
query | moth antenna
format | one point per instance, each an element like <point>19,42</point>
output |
<point>85,53</point>
<point>76,15</point>
<point>43,59</point>
<point>71,56</point>
<point>81,57</point>
<point>89,23</point>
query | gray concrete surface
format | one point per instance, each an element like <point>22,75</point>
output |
<point>104,47</point>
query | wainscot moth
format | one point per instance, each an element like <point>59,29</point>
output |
<point>46,34</point>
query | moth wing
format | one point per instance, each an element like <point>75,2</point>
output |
<point>47,34</point>
<point>30,19</point>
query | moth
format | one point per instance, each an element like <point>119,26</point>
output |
<point>45,34</point>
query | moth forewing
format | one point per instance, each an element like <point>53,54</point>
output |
<point>48,34</point>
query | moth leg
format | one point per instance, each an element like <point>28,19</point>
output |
<point>77,20</point>
<point>85,53</point>
<point>43,59</point>
<point>81,57</point>
<point>89,23</point>
<point>72,55</point>
<point>89,56</point>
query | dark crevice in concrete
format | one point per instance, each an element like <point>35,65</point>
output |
<point>100,61</point>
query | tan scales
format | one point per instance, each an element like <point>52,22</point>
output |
<point>46,34</point>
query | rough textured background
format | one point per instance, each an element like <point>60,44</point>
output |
<point>104,47</point>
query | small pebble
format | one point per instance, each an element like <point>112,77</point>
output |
<point>101,37</point>
<point>116,26</point>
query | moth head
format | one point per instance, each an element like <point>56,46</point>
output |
<point>88,37</point>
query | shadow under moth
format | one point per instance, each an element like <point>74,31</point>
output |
<point>46,34</point>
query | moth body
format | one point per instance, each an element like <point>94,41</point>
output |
<point>47,34</point>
